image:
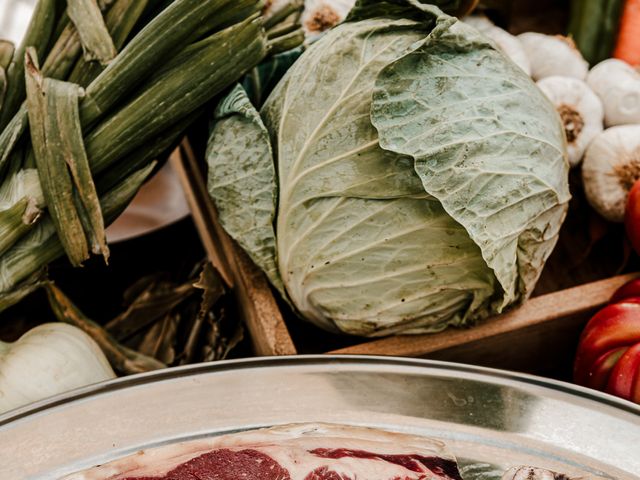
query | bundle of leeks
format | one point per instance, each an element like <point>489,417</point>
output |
<point>95,92</point>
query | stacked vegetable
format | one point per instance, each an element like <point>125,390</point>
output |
<point>403,176</point>
<point>81,123</point>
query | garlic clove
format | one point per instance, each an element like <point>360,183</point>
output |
<point>611,166</point>
<point>618,85</point>
<point>321,15</point>
<point>505,42</point>
<point>553,55</point>
<point>580,110</point>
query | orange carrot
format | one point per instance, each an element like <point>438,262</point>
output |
<point>628,44</point>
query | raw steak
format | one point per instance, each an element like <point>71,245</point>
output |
<point>292,452</point>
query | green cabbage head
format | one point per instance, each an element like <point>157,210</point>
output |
<point>403,176</point>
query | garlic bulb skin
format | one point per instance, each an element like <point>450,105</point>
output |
<point>610,168</point>
<point>553,55</point>
<point>580,111</point>
<point>321,15</point>
<point>506,43</point>
<point>618,85</point>
<point>47,360</point>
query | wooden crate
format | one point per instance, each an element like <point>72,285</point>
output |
<point>538,337</point>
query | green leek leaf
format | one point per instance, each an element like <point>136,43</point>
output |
<point>94,35</point>
<point>51,106</point>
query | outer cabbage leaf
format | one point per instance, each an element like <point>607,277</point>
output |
<point>361,247</point>
<point>486,144</point>
<point>242,181</point>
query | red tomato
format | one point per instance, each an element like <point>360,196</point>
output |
<point>608,355</point>
<point>624,380</point>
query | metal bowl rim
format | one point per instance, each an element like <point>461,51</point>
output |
<point>117,384</point>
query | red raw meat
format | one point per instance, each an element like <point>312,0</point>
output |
<point>294,452</point>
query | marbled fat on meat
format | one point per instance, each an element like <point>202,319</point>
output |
<point>293,452</point>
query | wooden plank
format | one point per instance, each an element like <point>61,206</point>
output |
<point>546,349</point>
<point>548,310</point>
<point>202,212</point>
<point>256,303</point>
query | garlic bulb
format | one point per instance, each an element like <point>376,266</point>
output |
<point>580,110</point>
<point>47,360</point>
<point>618,85</point>
<point>321,15</point>
<point>506,43</point>
<point>553,55</point>
<point>611,167</point>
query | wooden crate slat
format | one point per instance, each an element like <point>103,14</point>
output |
<point>267,329</point>
<point>204,217</point>
<point>545,309</point>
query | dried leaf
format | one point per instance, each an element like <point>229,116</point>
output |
<point>217,346</point>
<point>212,289</point>
<point>123,359</point>
<point>159,341</point>
<point>189,352</point>
<point>212,338</point>
<point>138,287</point>
<point>232,342</point>
<point>156,301</point>
<point>51,104</point>
<point>94,35</point>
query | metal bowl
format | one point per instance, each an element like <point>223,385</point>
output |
<point>490,419</point>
